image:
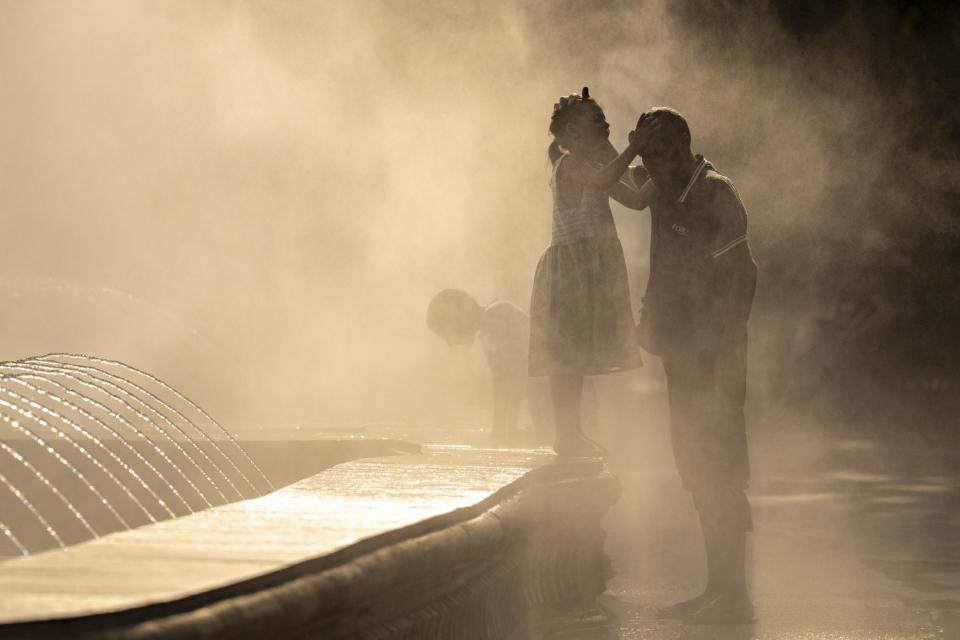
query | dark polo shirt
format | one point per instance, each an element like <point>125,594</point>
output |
<point>685,304</point>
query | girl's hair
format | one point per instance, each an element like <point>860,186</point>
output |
<point>563,111</point>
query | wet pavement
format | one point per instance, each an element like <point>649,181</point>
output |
<point>852,541</point>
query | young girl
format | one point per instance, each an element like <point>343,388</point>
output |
<point>581,322</point>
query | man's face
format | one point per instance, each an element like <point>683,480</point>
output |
<point>663,157</point>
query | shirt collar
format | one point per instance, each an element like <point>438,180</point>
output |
<point>701,165</point>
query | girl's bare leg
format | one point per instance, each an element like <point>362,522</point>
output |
<point>567,393</point>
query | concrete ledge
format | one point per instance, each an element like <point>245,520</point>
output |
<point>480,571</point>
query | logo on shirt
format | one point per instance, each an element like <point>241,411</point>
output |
<point>682,230</point>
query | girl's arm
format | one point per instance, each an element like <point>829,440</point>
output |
<point>628,191</point>
<point>631,195</point>
<point>602,177</point>
<point>611,175</point>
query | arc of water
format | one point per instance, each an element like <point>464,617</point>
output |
<point>12,488</point>
<point>92,438</point>
<point>167,387</point>
<point>59,458</point>
<point>20,378</point>
<point>13,538</point>
<point>126,423</point>
<point>203,454</point>
<point>60,371</point>
<point>42,478</point>
<point>83,451</point>
<point>174,410</point>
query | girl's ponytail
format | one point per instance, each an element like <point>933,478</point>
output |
<point>561,112</point>
<point>554,152</point>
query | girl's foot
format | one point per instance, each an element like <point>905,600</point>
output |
<point>578,446</point>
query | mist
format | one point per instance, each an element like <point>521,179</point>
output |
<point>256,200</point>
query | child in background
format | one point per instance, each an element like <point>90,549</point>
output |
<point>503,330</point>
<point>581,321</point>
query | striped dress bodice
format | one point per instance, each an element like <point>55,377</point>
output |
<point>590,217</point>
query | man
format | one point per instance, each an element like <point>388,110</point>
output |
<point>695,311</point>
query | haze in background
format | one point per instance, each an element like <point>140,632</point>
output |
<point>256,200</point>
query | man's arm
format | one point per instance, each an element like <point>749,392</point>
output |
<point>743,283</point>
<point>732,255</point>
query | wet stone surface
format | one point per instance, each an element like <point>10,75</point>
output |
<point>225,544</point>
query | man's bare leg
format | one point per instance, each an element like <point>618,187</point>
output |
<point>725,600</point>
<point>712,547</point>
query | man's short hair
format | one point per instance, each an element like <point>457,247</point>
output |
<point>673,126</point>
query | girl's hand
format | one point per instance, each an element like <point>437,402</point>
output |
<point>647,126</point>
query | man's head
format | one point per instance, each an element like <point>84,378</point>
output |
<point>667,155</point>
<point>455,316</point>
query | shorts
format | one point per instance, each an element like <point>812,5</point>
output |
<point>707,428</point>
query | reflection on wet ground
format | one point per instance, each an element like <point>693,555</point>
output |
<point>858,541</point>
<point>852,540</point>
